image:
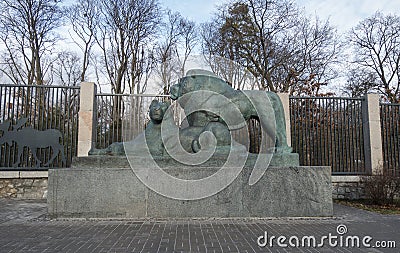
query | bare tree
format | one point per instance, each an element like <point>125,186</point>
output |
<point>189,40</point>
<point>245,33</point>
<point>316,53</point>
<point>112,37</point>
<point>141,69</point>
<point>99,73</point>
<point>27,30</point>
<point>178,39</point>
<point>166,50</point>
<point>146,22</point>
<point>82,16</point>
<point>359,81</point>
<point>124,28</point>
<point>235,74</point>
<point>66,68</point>
<point>376,47</point>
<point>275,42</point>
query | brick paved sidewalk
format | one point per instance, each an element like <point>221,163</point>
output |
<point>25,228</point>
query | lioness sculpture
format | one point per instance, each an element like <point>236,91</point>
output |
<point>246,102</point>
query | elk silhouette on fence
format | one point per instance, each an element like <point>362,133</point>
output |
<point>31,138</point>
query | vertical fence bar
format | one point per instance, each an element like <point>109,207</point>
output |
<point>390,127</point>
<point>109,127</point>
<point>396,154</point>
<point>322,132</point>
<point>345,128</point>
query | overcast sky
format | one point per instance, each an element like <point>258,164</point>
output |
<point>343,14</point>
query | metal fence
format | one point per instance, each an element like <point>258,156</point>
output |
<point>325,131</point>
<point>116,112</point>
<point>30,111</point>
<point>328,131</point>
<point>390,129</point>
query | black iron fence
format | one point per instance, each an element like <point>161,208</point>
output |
<point>325,131</point>
<point>116,112</point>
<point>328,131</point>
<point>390,130</point>
<point>27,113</point>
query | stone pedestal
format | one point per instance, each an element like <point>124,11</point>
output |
<point>106,187</point>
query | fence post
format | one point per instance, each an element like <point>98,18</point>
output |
<point>372,134</point>
<point>286,108</point>
<point>87,117</point>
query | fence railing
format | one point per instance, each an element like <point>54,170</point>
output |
<point>328,131</point>
<point>325,131</point>
<point>390,131</point>
<point>116,112</point>
<point>41,108</point>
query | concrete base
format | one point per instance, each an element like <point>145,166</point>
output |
<point>103,187</point>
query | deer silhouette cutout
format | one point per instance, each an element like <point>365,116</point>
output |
<point>31,138</point>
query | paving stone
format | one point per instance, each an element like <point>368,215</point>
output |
<point>24,227</point>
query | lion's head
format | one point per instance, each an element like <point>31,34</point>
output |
<point>157,111</point>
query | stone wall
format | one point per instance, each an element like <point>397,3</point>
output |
<point>23,184</point>
<point>23,188</point>
<point>348,190</point>
<point>347,187</point>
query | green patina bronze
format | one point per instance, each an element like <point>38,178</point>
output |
<point>249,104</point>
<point>271,119</point>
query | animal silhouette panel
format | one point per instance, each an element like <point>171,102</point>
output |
<point>31,138</point>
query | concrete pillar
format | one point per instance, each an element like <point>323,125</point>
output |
<point>372,134</point>
<point>286,107</point>
<point>87,118</point>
